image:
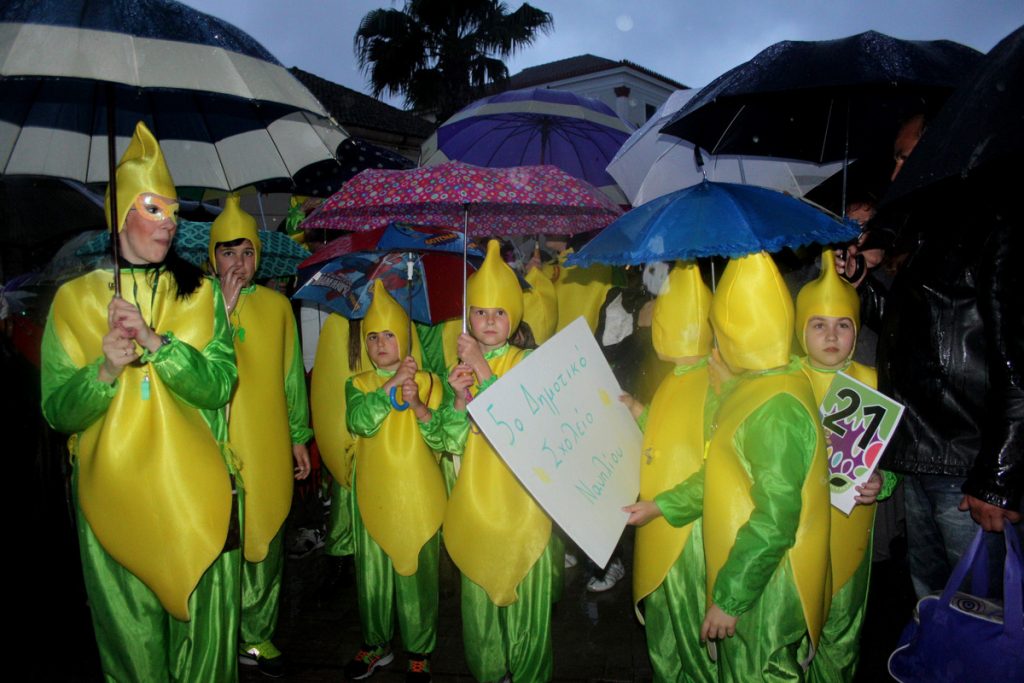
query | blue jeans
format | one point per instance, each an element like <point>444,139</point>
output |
<point>938,533</point>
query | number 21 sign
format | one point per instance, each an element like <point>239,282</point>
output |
<point>859,422</point>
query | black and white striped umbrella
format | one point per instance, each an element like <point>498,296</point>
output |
<point>226,112</point>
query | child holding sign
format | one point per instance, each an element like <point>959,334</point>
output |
<point>668,564</point>
<point>766,495</point>
<point>494,531</point>
<point>398,494</point>
<point>827,318</point>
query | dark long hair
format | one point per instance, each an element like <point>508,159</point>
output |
<point>187,277</point>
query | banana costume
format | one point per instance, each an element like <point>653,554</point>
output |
<point>668,564</point>
<point>579,291</point>
<point>153,486</point>
<point>494,531</point>
<point>268,414</point>
<point>850,543</point>
<point>398,499</point>
<point>766,495</point>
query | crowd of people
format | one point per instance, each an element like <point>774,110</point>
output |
<point>186,398</point>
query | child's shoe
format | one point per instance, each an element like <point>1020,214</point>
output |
<point>367,660</point>
<point>418,670</point>
<point>263,655</point>
<point>612,575</point>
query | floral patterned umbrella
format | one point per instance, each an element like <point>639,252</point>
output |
<point>523,200</point>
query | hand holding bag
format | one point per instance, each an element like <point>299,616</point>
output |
<point>961,638</point>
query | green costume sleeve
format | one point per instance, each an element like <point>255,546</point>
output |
<point>73,397</point>
<point>641,421</point>
<point>433,433</point>
<point>684,502</point>
<point>453,425</point>
<point>890,480</point>
<point>777,444</point>
<point>365,413</point>
<point>296,396</point>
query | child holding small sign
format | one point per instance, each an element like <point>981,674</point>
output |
<point>827,318</point>
<point>398,494</point>
<point>766,495</point>
<point>495,532</point>
<point>668,564</point>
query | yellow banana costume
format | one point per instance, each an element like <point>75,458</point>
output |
<point>495,532</point>
<point>766,488</point>
<point>399,494</point>
<point>153,487</point>
<point>850,544</point>
<point>268,414</point>
<point>668,564</point>
<point>580,291</point>
<point>540,306</point>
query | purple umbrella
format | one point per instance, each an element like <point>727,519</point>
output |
<point>579,135</point>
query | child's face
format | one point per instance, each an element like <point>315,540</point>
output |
<point>489,326</point>
<point>829,341</point>
<point>241,257</point>
<point>382,348</point>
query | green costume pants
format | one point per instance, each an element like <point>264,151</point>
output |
<point>674,613</point>
<point>261,593</point>
<point>381,592</point>
<point>515,639</point>
<point>339,541</point>
<point>771,638</point>
<point>839,646</point>
<point>557,566</point>
<point>139,641</point>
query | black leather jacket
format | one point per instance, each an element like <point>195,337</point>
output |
<point>951,349</point>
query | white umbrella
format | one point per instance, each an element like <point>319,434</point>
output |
<point>651,164</point>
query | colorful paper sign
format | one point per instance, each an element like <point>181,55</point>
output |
<point>556,420</point>
<point>859,423</point>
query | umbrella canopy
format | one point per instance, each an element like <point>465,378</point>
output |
<point>324,178</point>
<point>712,219</point>
<point>980,126</point>
<point>651,163</point>
<point>341,275</point>
<point>227,114</point>
<point>280,255</point>
<point>535,126</point>
<point>821,101</point>
<point>524,200</point>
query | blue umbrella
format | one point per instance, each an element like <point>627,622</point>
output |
<point>531,127</point>
<point>712,219</point>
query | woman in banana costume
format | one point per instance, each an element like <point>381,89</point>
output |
<point>495,532</point>
<point>141,382</point>
<point>268,424</point>
<point>398,493</point>
<point>668,560</point>
<point>766,495</point>
<point>827,319</point>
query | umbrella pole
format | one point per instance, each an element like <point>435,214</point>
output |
<point>465,258</point>
<point>115,244</point>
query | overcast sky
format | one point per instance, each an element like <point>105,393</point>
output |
<point>690,41</point>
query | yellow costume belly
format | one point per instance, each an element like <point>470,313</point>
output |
<point>151,478</point>
<point>399,487</point>
<point>493,529</point>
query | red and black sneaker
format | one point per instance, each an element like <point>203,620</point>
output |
<point>418,670</point>
<point>367,660</point>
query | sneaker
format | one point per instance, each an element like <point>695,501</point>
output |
<point>263,655</point>
<point>570,561</point>
<point>418,670</point>
<point>367,660</point>
<point>305,542</point>
<point>612,575</point>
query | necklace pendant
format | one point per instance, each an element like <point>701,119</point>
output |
<point>145,387</point>
<point>241,334</point>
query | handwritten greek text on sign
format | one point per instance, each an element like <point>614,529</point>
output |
<point>859,422</point>
<point>556,421</point>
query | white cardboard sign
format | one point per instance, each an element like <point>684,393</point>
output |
<point>556,421</point>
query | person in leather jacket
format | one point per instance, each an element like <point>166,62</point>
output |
<point>951,349</point>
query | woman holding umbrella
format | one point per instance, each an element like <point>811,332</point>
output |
<point>140,382</point>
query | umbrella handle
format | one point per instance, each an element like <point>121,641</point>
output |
<point>393,394</point>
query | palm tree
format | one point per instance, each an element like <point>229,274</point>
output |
<point>443,54</point>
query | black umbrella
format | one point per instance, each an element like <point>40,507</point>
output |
<point>980,128</point>
<point>821,101</point>
<point>324,178</point>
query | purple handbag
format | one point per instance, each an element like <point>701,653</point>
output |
<point>959,637</point>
